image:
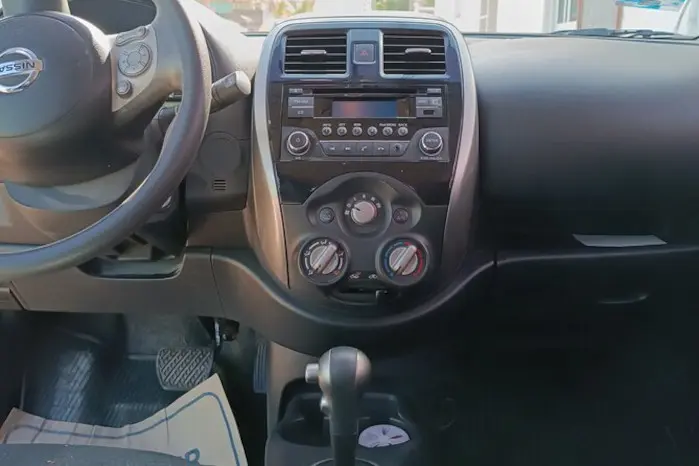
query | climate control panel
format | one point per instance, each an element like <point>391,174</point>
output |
<point>363,238</point>
<point>401,262</point>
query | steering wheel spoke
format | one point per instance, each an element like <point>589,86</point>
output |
<point>146,66</point>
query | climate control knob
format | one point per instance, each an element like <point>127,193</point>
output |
<point>403,262</point>
<point>323,261</point>
<point>298,143</point>
<point>431,143</point>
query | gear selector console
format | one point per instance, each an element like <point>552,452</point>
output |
<point>345,424</point>
<point>342,375</point>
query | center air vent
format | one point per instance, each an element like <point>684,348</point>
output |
<point>315,53</point>
<point>414,52</point>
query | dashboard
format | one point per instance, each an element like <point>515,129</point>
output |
<point>389,174</point>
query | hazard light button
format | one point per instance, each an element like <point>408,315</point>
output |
<point>364,54</point>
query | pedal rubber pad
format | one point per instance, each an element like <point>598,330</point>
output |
<point>181,369</point>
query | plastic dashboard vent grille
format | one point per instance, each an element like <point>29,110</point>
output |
<point>316,53</point>
<point>414,52</point>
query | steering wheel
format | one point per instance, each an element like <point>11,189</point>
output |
<point>66,91</point>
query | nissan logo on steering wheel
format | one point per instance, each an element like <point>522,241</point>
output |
<point>17,74</point>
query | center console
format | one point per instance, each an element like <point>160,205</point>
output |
<point>364,124</point>
<point>363,171</point>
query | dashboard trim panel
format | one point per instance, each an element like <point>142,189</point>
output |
<point>264,203</point>
<point>460,210</point>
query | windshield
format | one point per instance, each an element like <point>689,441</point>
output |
<point>477,16</point>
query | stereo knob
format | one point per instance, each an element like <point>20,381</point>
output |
<point>298,143</point>
<point>431,143</point>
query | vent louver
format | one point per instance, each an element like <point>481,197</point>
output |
<point>414,52</point>
<point>316,53</point>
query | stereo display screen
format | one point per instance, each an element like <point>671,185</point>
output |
<point>365,109</point>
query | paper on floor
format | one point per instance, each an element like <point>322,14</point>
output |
<point>198,426</point>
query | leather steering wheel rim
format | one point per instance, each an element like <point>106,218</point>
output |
<point>179,151</point>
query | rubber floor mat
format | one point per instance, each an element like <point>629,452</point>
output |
<point>77,377</point>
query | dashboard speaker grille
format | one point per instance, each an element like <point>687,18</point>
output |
<point>315,53</point>
<point>414,52</point>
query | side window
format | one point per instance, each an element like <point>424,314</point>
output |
<point>489,16</point>
<point>566,16</point>
<point>688,22</point>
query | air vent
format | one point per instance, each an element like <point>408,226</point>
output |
<point>414,52</point>
<point>316,53</point>
<point>219,185</point>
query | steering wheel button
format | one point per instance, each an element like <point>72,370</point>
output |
<point>130,36</point>
<point>124,88</point>
<point>135,60</point>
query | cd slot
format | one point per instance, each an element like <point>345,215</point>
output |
<point>358,93</point>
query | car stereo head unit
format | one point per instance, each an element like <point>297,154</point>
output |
<point>370,122</point>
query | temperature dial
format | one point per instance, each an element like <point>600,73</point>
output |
<point>403,262</point>
<point>362,209</point>
<point>323,261</point>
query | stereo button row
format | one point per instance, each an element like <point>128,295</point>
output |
<point>364,148</point>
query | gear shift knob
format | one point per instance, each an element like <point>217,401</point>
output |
<point>342,373</point>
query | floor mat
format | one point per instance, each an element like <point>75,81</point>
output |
<point>93,376</point>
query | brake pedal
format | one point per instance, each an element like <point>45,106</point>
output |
<point>181,369</point>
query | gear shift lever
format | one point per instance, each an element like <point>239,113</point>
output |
<point>342,373</point>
